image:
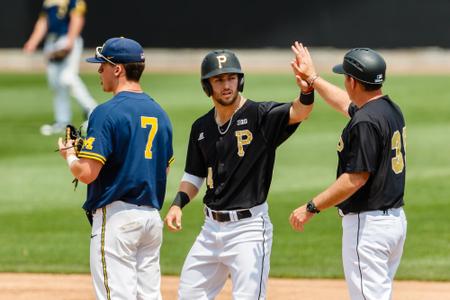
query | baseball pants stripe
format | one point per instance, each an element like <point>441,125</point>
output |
<point>105,273</point>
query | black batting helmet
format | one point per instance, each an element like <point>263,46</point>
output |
<point>363,64</point>
<point>219,62</point>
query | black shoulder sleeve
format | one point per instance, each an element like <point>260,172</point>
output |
<point>195,162</point>
<point>275,121</point>
<point>364,148</point>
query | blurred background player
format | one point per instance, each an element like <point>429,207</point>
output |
<point>61,22</point>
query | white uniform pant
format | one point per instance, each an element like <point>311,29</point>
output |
<point>372,246</point>
<point>239,249</point>
<point>64,80</point>
<point>124,254</point>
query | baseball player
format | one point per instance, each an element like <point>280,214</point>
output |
<point>61,22</point>
<point>124,160</point>
<point>371,171</point>
<point>232,146</point>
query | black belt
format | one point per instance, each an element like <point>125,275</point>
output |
<point>221,216</point>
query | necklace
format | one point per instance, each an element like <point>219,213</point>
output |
<point>229,122</point>
<point>231,119</point>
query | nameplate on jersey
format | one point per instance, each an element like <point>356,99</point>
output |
<point>241,122</point>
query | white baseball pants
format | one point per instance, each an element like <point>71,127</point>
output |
<point>124,258</point>
<point>239,249</point>
<point>64,80</point>
<point>372,246</point>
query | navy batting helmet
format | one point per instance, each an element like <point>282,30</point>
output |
<point>363,64</point>
<point>220,62</point>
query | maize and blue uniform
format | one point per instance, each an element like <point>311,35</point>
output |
<point>131,136</point>
<point>63,75</point>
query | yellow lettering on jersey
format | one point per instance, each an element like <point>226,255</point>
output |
<point>89,143</point>
<point>209,179</point>
<point>221,59</point>
<point>340,145</point>
<point>397,161</point>
<point>153,122</point>
<point>244,137</point>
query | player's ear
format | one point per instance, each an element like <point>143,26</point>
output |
<point>118,69</point>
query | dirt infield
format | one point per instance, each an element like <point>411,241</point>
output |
<point>78,287</point>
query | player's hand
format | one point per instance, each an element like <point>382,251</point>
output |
<point>304,66</point>
<point>29,47</point>
<point>299,217</point>
<point>173,218</point>
<point>66,148</point>
<point>302,84</point>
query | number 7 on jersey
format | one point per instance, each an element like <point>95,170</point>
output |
<point>153,122</point>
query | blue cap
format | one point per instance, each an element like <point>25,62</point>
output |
<point>118,51</point>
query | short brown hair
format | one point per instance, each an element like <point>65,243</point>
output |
<point>133,71</point>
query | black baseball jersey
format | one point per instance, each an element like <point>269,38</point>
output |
<point>374,141</point>
<point>238,164</point>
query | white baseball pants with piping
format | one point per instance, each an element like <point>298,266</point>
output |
<point>372,246</point>
<point>239,249</point>
<point>124,258</point>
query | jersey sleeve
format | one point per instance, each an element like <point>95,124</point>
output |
<point>98,142</point>
<point>195,163</point>
<point>364,149</point>
<point>77,6</point>
<point>275,122</point>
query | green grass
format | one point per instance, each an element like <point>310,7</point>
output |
<point>43,228</point>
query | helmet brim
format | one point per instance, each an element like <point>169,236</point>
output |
<point>95,60</point>
<point>222,71</point>
<point>339,69</point>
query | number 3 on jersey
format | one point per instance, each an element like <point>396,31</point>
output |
<point>398,161</point>
<point>153,122</point>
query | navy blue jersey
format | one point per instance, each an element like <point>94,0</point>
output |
<point>132,136</point>
<point>238,161</point>
<point>58,14</point>
<point>374,141</point>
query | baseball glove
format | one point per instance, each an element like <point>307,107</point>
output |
<point>76,137</point>
<point>58,55</point>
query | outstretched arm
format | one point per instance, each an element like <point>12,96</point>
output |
<point>304,68</point>
<point>303,104</point>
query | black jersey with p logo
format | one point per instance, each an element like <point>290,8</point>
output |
<point>374,141</point>
<point>238,160</point>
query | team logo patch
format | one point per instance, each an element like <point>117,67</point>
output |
<point>379,78</point>
<point>241,122</point>
<point>88,143</point>
<point>340,145</point>
<point>221,59</point>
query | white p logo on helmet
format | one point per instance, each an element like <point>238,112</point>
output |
<point>221,59</point>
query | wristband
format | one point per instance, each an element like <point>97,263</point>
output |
<point>71,159</point>
<point>306,99</point>
<point>181,199</point>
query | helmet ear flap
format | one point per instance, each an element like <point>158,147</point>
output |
<point>241,82</point>
<point>206,87</point>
